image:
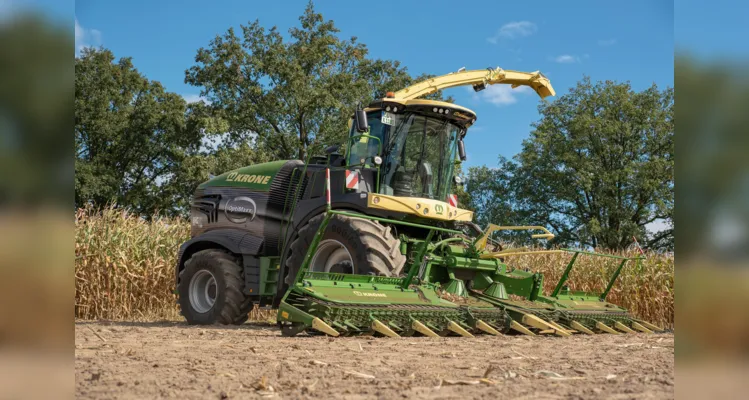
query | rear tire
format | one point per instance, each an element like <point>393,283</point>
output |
<point>211,289</point>
<point>372,247</point>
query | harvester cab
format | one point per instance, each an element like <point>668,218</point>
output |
<point>372,241</point>
<point>411,146</point>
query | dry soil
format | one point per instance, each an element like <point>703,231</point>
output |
<point>129,360</point>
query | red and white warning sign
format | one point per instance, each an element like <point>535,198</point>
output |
<point>352,179</point>
<point>452,199</point>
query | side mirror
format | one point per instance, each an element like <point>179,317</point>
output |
<point>461,150</point>
<point>332,149</point>
<point>361,121</point>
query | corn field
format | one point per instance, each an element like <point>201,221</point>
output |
<point>124,269</point>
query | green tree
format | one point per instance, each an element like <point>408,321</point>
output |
<point>713,188</point>
<point>35,90</point>
<point>197,168</point>
<point>597,168</point>
<point>489,192</point>
<point>130,134</point>
<point>290,95</point>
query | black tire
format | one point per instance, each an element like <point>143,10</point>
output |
<point>372,246</point>
<point>230,306</point>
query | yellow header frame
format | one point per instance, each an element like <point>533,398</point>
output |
<point>425,208</point>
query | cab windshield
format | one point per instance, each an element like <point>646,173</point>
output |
<point>418,153</point>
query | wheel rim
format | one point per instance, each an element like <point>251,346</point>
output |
<point>332,256</point>
<point>203,291</point>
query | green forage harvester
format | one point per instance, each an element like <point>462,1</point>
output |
<point>372,241</point>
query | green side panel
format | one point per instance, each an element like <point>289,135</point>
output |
<point>580,302</point>
<point>362,289</point>
<point>533,307</point>
<point>256,177</point>
<point>287,312</point>
<point>269,271</point>
<point>350,304</point>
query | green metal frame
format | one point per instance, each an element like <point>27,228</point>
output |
<point>419,261</point>
<point>329,213</point>
<point>612,280</point>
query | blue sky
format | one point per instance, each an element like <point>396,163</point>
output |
<point>622,41</point>
<point>715,30</point>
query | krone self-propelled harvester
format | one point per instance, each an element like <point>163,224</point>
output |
<point>372,241</point>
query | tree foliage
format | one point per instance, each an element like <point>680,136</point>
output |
<point>196,168</point>
<point>130,134</point>
<point>597,168</point>
<point>713,188</point>
<point>35,108</point>
<point>488,191</point>
<point>269,98</point>
<point>291,94</point>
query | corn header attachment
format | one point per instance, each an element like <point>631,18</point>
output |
<point>453,286</point>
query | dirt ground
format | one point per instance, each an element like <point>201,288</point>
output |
<point>129,360</point>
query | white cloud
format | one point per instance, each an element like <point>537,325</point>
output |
<point>566,59</point>
<point>501,95</point>
<point>607,42</point>
<point>512,30</point>
<point>657,225</point>
<point>194,98</point>
<point>85,37</point>
<point>78,32</point>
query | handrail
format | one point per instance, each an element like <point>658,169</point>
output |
<point>565,274</point>
<point>480,242</point>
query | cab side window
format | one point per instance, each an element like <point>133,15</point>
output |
<point>365,147</point>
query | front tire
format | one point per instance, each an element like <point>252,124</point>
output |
<point>349,245</point>
<point>210,289</point>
